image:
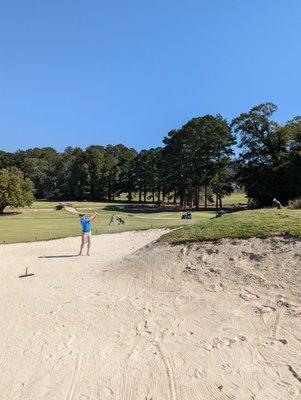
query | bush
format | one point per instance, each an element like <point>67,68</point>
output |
<point>295,204</point>
<point>15,190</point>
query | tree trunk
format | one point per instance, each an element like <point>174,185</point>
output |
<point>130,187</point>
<point>159,195</point>
<point>113,193</point>
<point>109,189</point>
<point>197,197</point>
<point>81,189</point>
<point>181,199</point>
<point>206,194</point>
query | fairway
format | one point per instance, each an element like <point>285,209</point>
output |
<point>40,222</point>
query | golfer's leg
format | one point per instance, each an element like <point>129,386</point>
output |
<point>81,245</point>
<point>88,244</point>
<point>81,249</point>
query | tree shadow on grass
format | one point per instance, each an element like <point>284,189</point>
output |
<point>132,208</point>
<point>10,213</point>
<point>150,209</point>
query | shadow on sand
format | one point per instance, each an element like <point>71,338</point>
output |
<point>62,256</point>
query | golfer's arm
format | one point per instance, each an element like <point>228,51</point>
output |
<point>93,217</point>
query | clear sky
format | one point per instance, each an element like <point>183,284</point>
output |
<point>81,72</point>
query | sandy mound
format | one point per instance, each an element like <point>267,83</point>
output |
<point>209,321</point>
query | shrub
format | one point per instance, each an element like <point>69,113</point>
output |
<point>295,204</point>
<point>15,190</point>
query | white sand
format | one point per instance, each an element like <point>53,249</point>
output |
<point>160,323</point>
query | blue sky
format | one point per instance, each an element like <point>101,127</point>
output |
<point>81,72</point>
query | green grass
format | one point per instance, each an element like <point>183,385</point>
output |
<point>45,204</point>
<point>235,198</point>
<point>244,224</point>
<point>41,223</point>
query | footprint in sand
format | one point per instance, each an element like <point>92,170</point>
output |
<point>107,393</point>
<point>264,309</point>
<point>248,296</point>
<point>226,368</point>
<point>229,342</point>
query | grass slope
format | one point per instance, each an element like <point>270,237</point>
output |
<point>245,224</point>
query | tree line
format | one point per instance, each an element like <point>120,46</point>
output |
<point>195,166</point>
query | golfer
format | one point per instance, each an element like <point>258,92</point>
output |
<point>112,220</point>
<point>86,232</point>
<point>276,203</point>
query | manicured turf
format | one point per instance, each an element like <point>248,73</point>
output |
<point>41,223</point>
<point>244,224</point>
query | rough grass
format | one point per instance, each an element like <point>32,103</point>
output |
<point>245,224</point>
<point>40,222</point>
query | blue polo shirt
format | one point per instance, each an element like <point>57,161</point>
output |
<point>85,223</point>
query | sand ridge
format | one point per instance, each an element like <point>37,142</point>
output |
<point>151,322</point>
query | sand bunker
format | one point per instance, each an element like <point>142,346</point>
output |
<point>208,321</point>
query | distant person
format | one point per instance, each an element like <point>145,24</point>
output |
<point>86,232</point>
<point>112,220</point>
<point>276,203</point>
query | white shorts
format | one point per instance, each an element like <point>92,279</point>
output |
<point>86,237</point>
